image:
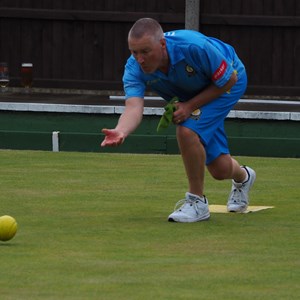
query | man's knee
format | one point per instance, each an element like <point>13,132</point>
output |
<point>221,168</point>
<point>184,132</point>
<point>186,135</point>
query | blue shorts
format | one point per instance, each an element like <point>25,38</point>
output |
<point>208,122</point>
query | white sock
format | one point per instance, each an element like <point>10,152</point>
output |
<point>245,180</point>
<point>247,177</point>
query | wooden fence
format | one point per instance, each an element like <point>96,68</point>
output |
<point>83,44</point>
<point>266,35</point>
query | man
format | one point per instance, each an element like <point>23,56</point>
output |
<point>208,78</point>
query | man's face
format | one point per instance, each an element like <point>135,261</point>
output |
<point>148,52</point>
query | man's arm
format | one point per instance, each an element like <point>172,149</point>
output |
<point>184,109</point>
<point>128,122</point>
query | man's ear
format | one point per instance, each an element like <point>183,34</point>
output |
<point>163,43</point>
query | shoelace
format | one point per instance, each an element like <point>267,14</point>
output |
<point>181,203</point>
<point>235,195</point>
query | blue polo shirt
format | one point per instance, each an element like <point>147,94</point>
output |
<point>196,61</point>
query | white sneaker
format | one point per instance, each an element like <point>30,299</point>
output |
<point>239,199</point>
<point>192,209</point>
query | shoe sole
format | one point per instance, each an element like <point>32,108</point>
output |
<point>206,218</point>
<point>237,210</point>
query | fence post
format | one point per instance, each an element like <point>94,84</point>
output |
<point>55,141</point>
<point>192,11</point>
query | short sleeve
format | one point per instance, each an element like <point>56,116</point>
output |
<point>214,63</point>
<point>132,81</point>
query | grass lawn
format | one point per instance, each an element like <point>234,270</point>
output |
<point>94,226</point>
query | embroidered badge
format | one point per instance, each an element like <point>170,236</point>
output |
<point>220,71</point>
<point>190,70</point>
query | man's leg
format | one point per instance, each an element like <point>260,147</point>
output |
<point>193,156</point>
<point>225,167</point>
<point>195,206</point>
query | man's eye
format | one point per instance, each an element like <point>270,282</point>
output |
<point>143,52</point>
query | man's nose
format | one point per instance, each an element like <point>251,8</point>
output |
<point>140,58</point>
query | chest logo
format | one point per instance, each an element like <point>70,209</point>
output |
<point>190,70</point>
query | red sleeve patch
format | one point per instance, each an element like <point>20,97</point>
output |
<point>220,71</point>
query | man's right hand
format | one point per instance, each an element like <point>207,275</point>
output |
<point>112,138</point>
